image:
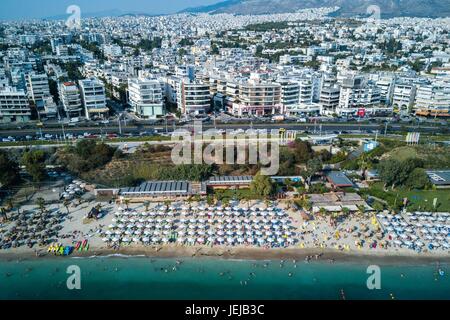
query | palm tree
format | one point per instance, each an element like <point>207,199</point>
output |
<point>66,204</point>
<point>9,204</point>
<point>3,214</point>
<point>322,211</point>
<point>40,202</point>
<point>146,205</point>
<point>345,211</point>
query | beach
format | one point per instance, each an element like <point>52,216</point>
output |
<point>315,240</point>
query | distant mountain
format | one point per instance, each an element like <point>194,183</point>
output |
<point>99,14</point>
<point>388,8</point>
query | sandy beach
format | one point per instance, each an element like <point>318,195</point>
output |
<point>350,239</point>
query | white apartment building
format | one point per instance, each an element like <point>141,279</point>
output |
<point>386,85</point>
<point>93,97</point>
<point>14,105</point>
<point>357,94</point>
<point>258,99</point>
<point>111,50</point>
<point>193,97</point>
<point>434,96</point>
<point>290,92</point>
<point>145,97</point>
<point>37,86</point>
<point>403,96</point>
<point>329,99</point>
<point>70,97</point>
<point>305,91</point>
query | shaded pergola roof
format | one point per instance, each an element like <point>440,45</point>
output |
<point>158,188</point>
<point>230,180</point>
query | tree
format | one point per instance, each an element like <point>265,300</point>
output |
<point>146,205</point>
<point>389,171</point>
<point>66,204</point>
<point>312,167</point>
<point>40,202</point>
<point>262,185</point>
<point>9,169</point>
<point>34,162</point>
<point>127,202</point>
<point>302,151</point>
<point>417,179</point>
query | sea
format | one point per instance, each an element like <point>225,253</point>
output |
<point>139,277</point>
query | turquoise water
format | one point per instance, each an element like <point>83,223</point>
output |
<point>147,278</point>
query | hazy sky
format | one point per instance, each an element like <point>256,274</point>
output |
<point>25,9</point>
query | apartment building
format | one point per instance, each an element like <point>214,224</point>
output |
<point>37,86</point>
<point>433,96</point>
<point>403,96</point>
<point>70,97</point>
<point>258,99</point>
<point>145,97</point>
<point>357,94</point>
<point>193,97</point>
<point>14,105</point>
<point>93,97</point>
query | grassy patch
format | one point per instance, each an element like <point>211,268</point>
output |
<point>421,200</point>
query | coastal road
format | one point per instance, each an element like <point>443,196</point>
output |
<point>311,127</point>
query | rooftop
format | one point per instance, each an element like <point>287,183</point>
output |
<point>439,177</point>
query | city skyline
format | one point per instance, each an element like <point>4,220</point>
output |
<point>13,10</point>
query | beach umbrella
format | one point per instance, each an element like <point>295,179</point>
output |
<point>191,240</point>
<point>200,240</point>
<point>181,233</point>
<point>220,239</point>
<point>211,239</point>
<point>280,240</point>
<point>230,240</point>
<point>155,239</point>
<point>240,240</point>
<point>105,239</point>
<point>181,240</point>
<point>125,240</point>
<point>270,239</point>
<point>191,233</point>
<point>145,239</point>
<point>261,240</point>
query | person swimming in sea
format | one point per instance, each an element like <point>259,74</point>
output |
<point>290,274</point>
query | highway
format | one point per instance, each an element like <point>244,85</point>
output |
<point>311,127</point>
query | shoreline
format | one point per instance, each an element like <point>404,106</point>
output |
<point>250,254</point>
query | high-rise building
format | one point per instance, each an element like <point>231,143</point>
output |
<point>93,97</point>
<point>145,97</point>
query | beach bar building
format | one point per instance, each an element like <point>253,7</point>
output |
<point>162,190</point>
<point>230,182</point>
<point>338,179</point>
